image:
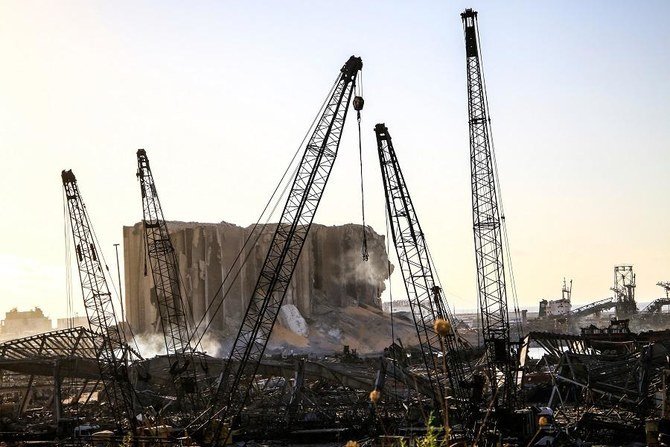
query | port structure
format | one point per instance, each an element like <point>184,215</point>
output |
<point>624,291</point>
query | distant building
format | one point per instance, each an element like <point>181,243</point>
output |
<point>66,323</point>
<point>19,324</point>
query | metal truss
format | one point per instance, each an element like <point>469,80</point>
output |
<point>163,259</point>
<point>656,306</point>
<point>113,361</point>
<point>167,282</point>
<point>54,355</point>
<point>487,224</point>
<point>624,291</point>
<point>592,308</point>
<point>603,376</point>
<point>285,247</point>
<point>611,381</point>
<point>76,342</point>
<point>555,344</point>
<point>425,300</point>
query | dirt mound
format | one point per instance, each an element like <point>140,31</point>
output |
<point>363,328</point>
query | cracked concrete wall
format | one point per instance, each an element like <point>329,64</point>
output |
<point>329,273</point>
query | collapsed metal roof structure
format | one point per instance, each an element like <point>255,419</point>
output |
<point>604,383</point>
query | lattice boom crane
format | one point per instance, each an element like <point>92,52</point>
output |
<point>287,243</point>
<point>424,296</point>
<point>113,362</point>
<point>488,236</point>
<point>167,281</point>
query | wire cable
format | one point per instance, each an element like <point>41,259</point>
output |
<point>254,231</point>
<point>388,265</point>
<point>496,179</point>
<point>364,248</point>
<point>125,330</point>
<point>237,273</point>
<point>68,266</point>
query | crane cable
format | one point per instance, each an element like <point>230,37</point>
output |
<point>394,353</point>
<point>364,247</point>
<point>358,106</point>
<point>68,265</point>
<point>201,328</point>
<point>507,253</point>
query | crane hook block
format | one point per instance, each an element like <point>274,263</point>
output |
<point>358,103</point>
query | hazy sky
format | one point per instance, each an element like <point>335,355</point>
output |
<point>221,93</point>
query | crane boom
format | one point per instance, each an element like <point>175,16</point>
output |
<point>287,243</point>
<point>163,262</point>
<point>488,237</point>
<point>113,362</point>
<point>167,282</point>
<point>426,303</point>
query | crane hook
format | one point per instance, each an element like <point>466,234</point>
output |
<point>358,103</point>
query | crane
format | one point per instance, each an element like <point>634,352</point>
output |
<point>487,222</point>
<point>424,296</point>
<point>287,242</point>
<point>113,361</point>
<point>566,291</point>
<point>624,291</point>
<point>167,281</point>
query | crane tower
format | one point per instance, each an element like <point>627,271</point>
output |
<point>486,218</point>
<point>172,308</point>
<point>113,361</point>
<point>287,242</point>
<point>425,298</point>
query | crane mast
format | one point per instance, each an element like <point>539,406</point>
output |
<point>167,282</point>
<point>487,224</point>
<point>113,361</point>
<point>287,243</point>
<point>163,260</point>
<point>424,296</point>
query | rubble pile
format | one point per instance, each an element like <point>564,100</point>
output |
<point>603,385</point>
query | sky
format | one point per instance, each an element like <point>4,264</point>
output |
<point>220,94</point>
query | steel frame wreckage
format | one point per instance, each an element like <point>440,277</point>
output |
<point>601,385</point>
